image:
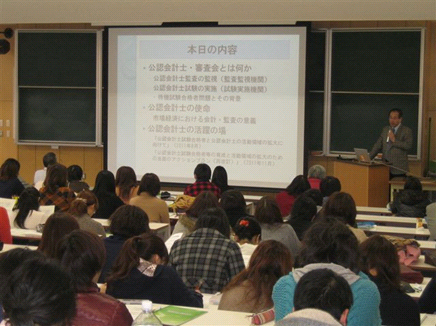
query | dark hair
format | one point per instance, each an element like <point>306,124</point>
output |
<point>267,211</point>
<point>304,208</point>
<point>143,246</point>
<point>379,253</point>
<point>202,172</point>
<point>57,225</point>
<point>219,178</point>
<point>125,180</point>
<point>56,177</point>
<point>412,183</point>
<point>316,171</point>
<point>204,200</point>
<point>329,185</point>
<point>9,169</point>
<point>79,206</point>
<point>324,290</point>
<point>150,183</point>
<point>233,203</point>
<point>329,241</point>
<point>247,228</point>
<point>49,159</point>
<point>104,183</point>
<point>400,112</point>
<point>341,205</point>
<point>214,218</point>
<point>28,201</point>
<point>128,221</point>
<point>82,254</point>
<point>298,185</point>
<point>75,172</point>
<point>269,261</point>
<point>315,194</point>
<point>39,292</point>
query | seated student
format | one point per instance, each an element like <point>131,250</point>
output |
<point>187,220</point>
<point>126,185</point>
<point>39,177</point>
<point>207,259</point>
<point>427,300</point>
<point>411,201</point>
<point>321,298</point>
<point>26,214</point>
<point>56,227</point>
<point>341,205</point>
<point>328,186</point>
<point>5,227</point>
<point>233,203</point>
<point>82,208</point>
<point>379,260</point>
<point>38,292</point>
<point>286,198</point>
<point>104,190</point>
<point>82,255</point>
<point>267,213</point>
<point>202,175</point>
<point>315,174</point>
<point>328,243</point>
<point>55,190</point>
<point>251,289</point>
<point>10,185</point>
<point>302,214</point>
<point>126,222</point>
<point>75,175</point>
<point>219,178</point>
<point>156,208</point>
<point>140,272</point>
<point>247,235</point>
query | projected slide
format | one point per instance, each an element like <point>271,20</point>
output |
<point>223,96</point>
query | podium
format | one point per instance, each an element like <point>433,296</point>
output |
<point>367,183</point>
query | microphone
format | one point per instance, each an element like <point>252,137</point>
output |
<point>393,131</point>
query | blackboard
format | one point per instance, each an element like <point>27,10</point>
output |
<point>57,86</point>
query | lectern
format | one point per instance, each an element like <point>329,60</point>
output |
<point>367,183</point>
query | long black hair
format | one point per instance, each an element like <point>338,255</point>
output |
<point>28,201</point>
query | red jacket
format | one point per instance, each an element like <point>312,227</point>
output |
<point>5,228</point>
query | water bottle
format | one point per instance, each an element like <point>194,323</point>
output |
<point>146,317</point>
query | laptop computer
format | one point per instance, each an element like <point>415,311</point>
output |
<point>362,155</point>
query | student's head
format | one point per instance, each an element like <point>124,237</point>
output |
<point>56,227</point>
<point>329,185</point>
<point>204,200</point>
<point>150,184</point>
<point>82,254</point>
<point>325,290</point>
<point>315,194</point>
<point>233,203</point>
<point>85,203</point>
<point>49,159</point>
<point>269,261</point>
<point>125,179</point>
<point>75,173</point>
<point>104,183</point>
<point>316,171</point>
<point>128,221</point>
<point>412,183</point>
<point>329,241</point>
<point>247,229</point>
<point>9,169</point>
<point>342,206</point>
<point>298,185</point>
<point>379,258</point>
<point>214,218</point>
<point>28,201</point>
<point>304,208</point>
<point>395,117</point>
<point>202,172</point>
<point>267,211</point>
<point>219,177</point>
<point>148,247</point>
<point>39,292</point>
<point>56,177</point>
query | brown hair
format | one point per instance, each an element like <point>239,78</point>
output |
<point>342,205</point>
<point>56,177</point>
<point>128,221</point>
<point>150,184</point>
<point>79,206</point>
<point>9,169</point>
<point>125,180</point>
<point>143,246</point>
<point>57,225</point>
<point>270,261</point>
<point>379,253</point>
<point>205,200</point>
<point>267,211</point>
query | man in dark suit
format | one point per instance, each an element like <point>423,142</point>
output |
<point>394,142</point>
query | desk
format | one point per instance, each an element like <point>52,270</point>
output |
<point>160,229</point>
<point>373,210</point>
<point>423,285</point>
<point>389,220</point>
<point>421,265</point>
<point>397,184</point>
<point>7,247</point>
<point>399,231</point>
<point>25,234</point>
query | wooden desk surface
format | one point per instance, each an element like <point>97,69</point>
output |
<point>7,247</point>
<point>373,210</point>
<point>399,231</point>
<point>389,220</point>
